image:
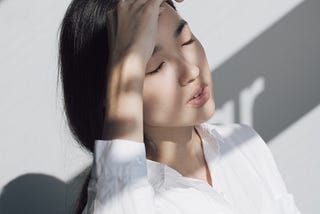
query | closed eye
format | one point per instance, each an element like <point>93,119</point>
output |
<point>188,42</point>
<point>157,69</point>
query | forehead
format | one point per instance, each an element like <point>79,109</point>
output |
<point>168,21</point>
<point>168,12</point>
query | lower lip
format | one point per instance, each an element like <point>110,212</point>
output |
<point>202,99</point>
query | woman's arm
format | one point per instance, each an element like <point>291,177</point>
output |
<point>119,183</point>
<point>133,43</point>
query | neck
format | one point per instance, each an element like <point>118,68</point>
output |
<point>178,147</point>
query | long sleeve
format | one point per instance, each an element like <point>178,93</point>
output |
<point>264,160</point>
<point>119,183</point>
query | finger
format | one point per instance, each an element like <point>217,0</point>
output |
<point>131,3</point>
<point>157,2</point>
<point>153,5</point>
<point>136,4</point>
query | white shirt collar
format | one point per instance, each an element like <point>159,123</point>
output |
<point>161,175</point>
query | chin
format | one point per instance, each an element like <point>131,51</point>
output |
<point>208,111</point>
<point>205,113</point>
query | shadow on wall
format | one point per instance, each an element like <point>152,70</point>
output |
<point>33,193</point>
<point>40,194</point>
<point>286,59</point>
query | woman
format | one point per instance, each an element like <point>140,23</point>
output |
<point>138,91</point>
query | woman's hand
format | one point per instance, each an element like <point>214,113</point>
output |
<point>137,24</point>
<point>132,43</point>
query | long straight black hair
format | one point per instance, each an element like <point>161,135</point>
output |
<point>84,54</point>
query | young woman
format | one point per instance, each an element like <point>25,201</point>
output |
<point>138,92</point>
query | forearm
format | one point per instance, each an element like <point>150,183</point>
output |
<point>124,100</point>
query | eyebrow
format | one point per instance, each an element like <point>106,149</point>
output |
<point>182,23</point>
<point>180,27</point>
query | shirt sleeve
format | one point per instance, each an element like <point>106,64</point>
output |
<point>266,164</point>
<point>119,183</point>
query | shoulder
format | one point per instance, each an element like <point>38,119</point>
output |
<point>245,144</point>
<point>242,138</point>
<point>225,128</point>
<point>236,133</point>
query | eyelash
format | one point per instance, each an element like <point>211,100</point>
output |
<point>189,42</point>
<point>157,69</point>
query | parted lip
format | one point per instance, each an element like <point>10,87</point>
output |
<point>197,90</point>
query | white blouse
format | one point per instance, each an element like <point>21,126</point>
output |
<point>244,174</point>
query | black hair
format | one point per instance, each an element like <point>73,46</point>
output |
<point>84,54</point>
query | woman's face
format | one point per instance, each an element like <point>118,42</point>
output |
<point>167,91</point>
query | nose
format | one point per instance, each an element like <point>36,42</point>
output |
<point>189,72</point>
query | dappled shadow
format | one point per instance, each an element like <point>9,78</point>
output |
<point>286,57</point>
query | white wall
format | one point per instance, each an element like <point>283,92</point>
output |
<point>296,151</point>
<point>250,45</point>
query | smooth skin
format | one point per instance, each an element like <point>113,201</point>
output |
<point>156,103</point>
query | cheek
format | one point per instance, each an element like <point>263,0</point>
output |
<point>160,102</point>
